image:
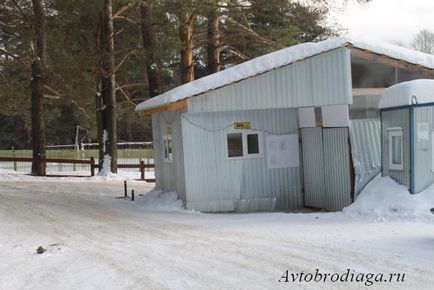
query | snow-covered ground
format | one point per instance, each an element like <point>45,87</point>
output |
<point>95,240</point>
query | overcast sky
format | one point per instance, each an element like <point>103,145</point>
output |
<point>395,21</point>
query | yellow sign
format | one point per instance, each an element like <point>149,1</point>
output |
<point>241,125</point>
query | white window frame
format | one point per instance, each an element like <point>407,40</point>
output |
<point>167,156</point>
<point>244,134</point>
<point>395,132</point>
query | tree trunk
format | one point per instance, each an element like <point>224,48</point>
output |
<point>152,67</point>
<point>186,37</point>
<point>38,78</point>
<point>213,44</point>
<point>99,113</point>
<point>108,98</point>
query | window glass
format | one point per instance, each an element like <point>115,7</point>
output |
<point>365,107</point>
<point>396,149</point>
<point>167,148</point>
<point>252,144</point>
<point>235,144</point>
<point>166,156</point>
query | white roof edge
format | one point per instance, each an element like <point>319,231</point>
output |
<point>408,93</point>
<point>278,59</point>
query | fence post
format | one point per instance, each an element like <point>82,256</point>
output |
<point>74,167</point>
<point>92,166</point>
<point>14,155</point>
<point>142,169</point>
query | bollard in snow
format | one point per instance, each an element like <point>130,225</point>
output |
<point>125,189</point>
<point>132,194</point>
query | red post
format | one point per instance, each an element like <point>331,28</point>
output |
<point>92,166</point>
<point>142,169</point>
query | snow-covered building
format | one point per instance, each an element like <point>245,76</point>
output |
<point>296,127</point>
<point>407,120</point>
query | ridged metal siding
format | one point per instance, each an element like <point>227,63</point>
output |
<point>169,176</point>
<point>313,164</point>
<point>324,79</point>
<point>326,161</point>
<point>365,136</point>
<point>423,154</point>
<point>337,168</point>
<point>393,119</point>
<point>217,183</point>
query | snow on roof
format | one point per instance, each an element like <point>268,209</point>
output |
<point>278,59</point>
<point>408,93</point>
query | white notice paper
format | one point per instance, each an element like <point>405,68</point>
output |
<point>282,151</point>
<point>422,131</point>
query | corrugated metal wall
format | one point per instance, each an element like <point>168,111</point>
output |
<point>423,153</point>
<point>393,119</point>
<point>313,164</point>
<point>337,168</point>
<point>365,136</point>
<point>169,176</point>
<point>324,79</point>
<point>326,163</point>
<point>216,183</point>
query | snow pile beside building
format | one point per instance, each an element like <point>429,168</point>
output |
<point>159,200</point>
<point>383,199</point>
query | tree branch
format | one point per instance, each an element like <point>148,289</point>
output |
<point>133,51</point>
<point>16,57</point>
<point>124,94</point>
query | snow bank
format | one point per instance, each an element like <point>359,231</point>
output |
<point>278,59</point>
<point>11,175</point>
<point>384,199</point>
<point>158,200</point>
<point>106,163</point>
<point>408,93</point>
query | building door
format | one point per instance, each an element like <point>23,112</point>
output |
<point>327,168</point>
<point>313,167</point>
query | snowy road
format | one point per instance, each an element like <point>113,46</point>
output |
<point>96,241</point>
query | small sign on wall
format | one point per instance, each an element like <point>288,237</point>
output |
<point>422,131</point>
<point>282,151</point>
<point>242,125</point>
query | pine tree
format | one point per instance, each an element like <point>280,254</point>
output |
<point>38,79</point>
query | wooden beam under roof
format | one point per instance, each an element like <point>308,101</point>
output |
<point>368,91</point>
<point>168,107</point>
<point>402,64</point>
